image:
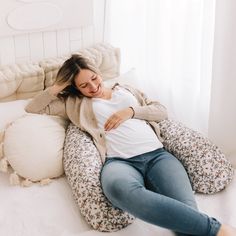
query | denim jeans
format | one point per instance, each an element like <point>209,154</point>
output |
<point>155,187</point>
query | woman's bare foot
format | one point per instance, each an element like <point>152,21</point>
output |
<point>226,230</point>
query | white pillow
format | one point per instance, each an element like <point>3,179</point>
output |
<point>9,111</point>
<point>33,146</point>
<point>130,78</point>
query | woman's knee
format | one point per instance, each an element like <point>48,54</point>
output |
<point>111,181</point>
<point>113,187</point>
<point>119,186</point>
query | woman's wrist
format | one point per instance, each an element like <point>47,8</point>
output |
<point>54,90</point>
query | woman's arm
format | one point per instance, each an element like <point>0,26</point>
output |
<point>148,110</point>
<point>47,102</point>
<point>151,111</point>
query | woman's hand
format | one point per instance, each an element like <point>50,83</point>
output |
<point>118,117</point>
<point>57,88</point>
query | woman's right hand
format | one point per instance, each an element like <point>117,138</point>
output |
<point>57,88</point>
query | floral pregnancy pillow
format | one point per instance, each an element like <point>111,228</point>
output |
<point>208,169</point>
<point>82,165</point>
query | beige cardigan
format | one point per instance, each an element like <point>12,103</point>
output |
<point>80,112</point>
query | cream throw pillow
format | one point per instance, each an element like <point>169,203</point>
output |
<point>33,146</point>
<point>10,111</point>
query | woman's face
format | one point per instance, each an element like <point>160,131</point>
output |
<point>89,84</point>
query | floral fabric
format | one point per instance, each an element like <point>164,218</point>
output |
<point>82,166</point>
<point>208,169</point>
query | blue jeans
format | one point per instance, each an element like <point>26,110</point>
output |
<point>155,187</point>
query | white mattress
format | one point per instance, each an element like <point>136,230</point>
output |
<point>50,210</point>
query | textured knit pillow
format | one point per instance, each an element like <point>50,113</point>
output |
<point>82,165</point>
<point>208,169</point>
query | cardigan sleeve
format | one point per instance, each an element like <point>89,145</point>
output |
<point>148,110</point>
<point>46,103</point>
<point>154,111</point>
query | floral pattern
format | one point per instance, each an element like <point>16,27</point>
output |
<point>208,169</point>
<point>82,166</point>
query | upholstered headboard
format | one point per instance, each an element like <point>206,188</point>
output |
<point>21,81</point>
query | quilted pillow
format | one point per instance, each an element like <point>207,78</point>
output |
<point>208,169</point>
<point>82,165</point>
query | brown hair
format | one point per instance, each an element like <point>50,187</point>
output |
<point>69,70</point>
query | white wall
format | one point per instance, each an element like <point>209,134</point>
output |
<point>222,123</point>
<point>35,46</point>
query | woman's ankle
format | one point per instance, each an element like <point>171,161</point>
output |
<point>226,230</point>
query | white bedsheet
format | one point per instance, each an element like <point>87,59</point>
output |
<point>51,211</point>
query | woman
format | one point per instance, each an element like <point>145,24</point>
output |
<point>138,175</point>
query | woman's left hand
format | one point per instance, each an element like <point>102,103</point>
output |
<point>117,118</point>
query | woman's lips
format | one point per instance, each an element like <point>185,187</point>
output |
<point>97,90</point>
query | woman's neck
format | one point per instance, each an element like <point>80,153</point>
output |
<point>107,94</point>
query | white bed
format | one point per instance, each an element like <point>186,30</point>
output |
<point>51,210</point>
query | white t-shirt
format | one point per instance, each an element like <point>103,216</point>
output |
<point>130,138</point>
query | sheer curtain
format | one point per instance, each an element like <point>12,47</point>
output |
<point>222,119</point>
<point>170,43</point>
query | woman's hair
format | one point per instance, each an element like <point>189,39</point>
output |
<point>68,72</point>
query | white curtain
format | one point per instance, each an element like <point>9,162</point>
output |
<point>222,119</point>
<point>170,43</point>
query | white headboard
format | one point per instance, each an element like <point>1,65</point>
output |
<point>55,34</point>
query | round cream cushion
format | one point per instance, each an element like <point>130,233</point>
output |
<point>33,146</point>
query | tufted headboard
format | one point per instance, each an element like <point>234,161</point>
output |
<point>22,81</point>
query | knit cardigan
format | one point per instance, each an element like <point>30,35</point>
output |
<point>80,112</point>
